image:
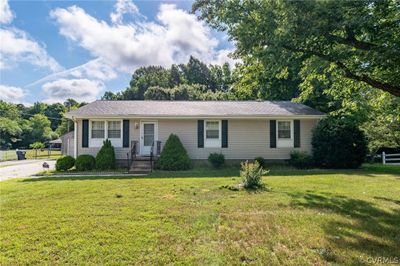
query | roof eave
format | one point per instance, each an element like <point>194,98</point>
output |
<point>81,116</point>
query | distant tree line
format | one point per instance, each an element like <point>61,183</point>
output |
<point>21,126</point>
<point>192,81</point>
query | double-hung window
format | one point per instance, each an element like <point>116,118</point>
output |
<point>284,133</point>
<point>98,130</point>
<point>114,129</point>
<point>212,134</point>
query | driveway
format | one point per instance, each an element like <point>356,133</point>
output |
<point>25,168</point>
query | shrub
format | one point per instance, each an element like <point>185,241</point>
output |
<point>261,161</point>
<point>301,160</point>
<point>85,162</point>
<point>216,159</point>
<point>251,174</point>
<point>105,158</point>
<point>64,163</point>
<point>36,145</point>
<point>173,156</point>
<point>338,144</point>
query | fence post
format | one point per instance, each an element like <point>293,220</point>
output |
<point>383,158</point>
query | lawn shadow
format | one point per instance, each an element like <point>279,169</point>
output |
<point>200,173</point>
<point>75,178</point>
<point>366,229</point>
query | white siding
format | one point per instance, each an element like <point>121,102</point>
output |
<point>247,138</point>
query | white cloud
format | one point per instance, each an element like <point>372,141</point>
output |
<point>78,89</point>
<point>6,15</point>
<point>11,94</point>
<point>171,39</point>
<point>123,7</point>
<point>94,69</point>
<point>16,46</point>
<point>223,56</point>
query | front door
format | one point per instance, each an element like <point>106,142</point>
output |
<point>148,136</point>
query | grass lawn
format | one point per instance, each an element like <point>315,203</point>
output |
<point>313,217</point>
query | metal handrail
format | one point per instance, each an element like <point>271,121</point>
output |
<point>151,157</point>
<point>133,150</point>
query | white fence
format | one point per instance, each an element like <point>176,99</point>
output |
<point>393,158</point>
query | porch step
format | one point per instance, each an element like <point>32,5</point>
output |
<point>140,167</point>
<point>145,158</point>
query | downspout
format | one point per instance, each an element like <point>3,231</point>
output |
<point>75,138</point>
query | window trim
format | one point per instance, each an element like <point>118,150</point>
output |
<point>98,142</point>
<point>285,142</point>
<point>90,128</point>
<point>213,143</point>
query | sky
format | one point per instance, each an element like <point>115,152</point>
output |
<point>54,50</point>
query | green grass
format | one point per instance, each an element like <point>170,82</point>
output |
<point>313,217</point>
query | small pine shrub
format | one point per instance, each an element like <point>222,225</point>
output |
<point>174,156</point>
<point>64,163</point>
<point>301,160</point>
<point>261,161</point>
<point>105,158</point>
<point>85,162</point>
<point>251,174</point>
<point>338,143</point>
<point>216,159</point>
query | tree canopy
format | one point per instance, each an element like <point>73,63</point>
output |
<point>192,81</point>
<point>358,40</point>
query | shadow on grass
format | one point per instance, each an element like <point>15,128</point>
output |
<point>366,228</point>
<point>232,171</point>
<point>198,172</point>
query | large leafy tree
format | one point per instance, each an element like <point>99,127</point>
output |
<point>356,40</point>
<point>10,128</point>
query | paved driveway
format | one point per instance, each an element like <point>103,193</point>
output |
<point>25,168</point>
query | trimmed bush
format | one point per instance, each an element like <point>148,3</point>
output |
<point>337,143</point>
<point>216,159</point>
<point>174,156</point>
<point>261,161</point>
<point>85,162</point>
<point>301,160</point>
<point>64,163</point>
<point>251,174</point>
<point>105,158</point>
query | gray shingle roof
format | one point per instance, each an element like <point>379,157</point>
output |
<point>192,109</point>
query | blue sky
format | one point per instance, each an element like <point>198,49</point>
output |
<point>53,50</point>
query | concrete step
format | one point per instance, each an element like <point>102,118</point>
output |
<point>139,172</point>
<point>144,158</point>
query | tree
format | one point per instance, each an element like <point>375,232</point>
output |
<point>144,78</point>
<point>10,129</point>
<point>157,93</point>
<point>196,72</point>
<point>357,40</point>
<point>55,112</point>
<point>180,82</point>
<point>40,129</point>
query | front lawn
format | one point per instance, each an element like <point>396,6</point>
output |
<point>304,218</point>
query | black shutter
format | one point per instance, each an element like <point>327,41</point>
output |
<point>224,133</point>
<point>125,134</point>
<point>85,133</point>
<point>272,133</point>
<point>200,133</point>
<point>296,133</point>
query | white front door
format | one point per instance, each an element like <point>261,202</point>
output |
<point>148,136</point>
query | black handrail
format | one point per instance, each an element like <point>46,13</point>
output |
<point>133,150</point>
<point>151,157</point>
